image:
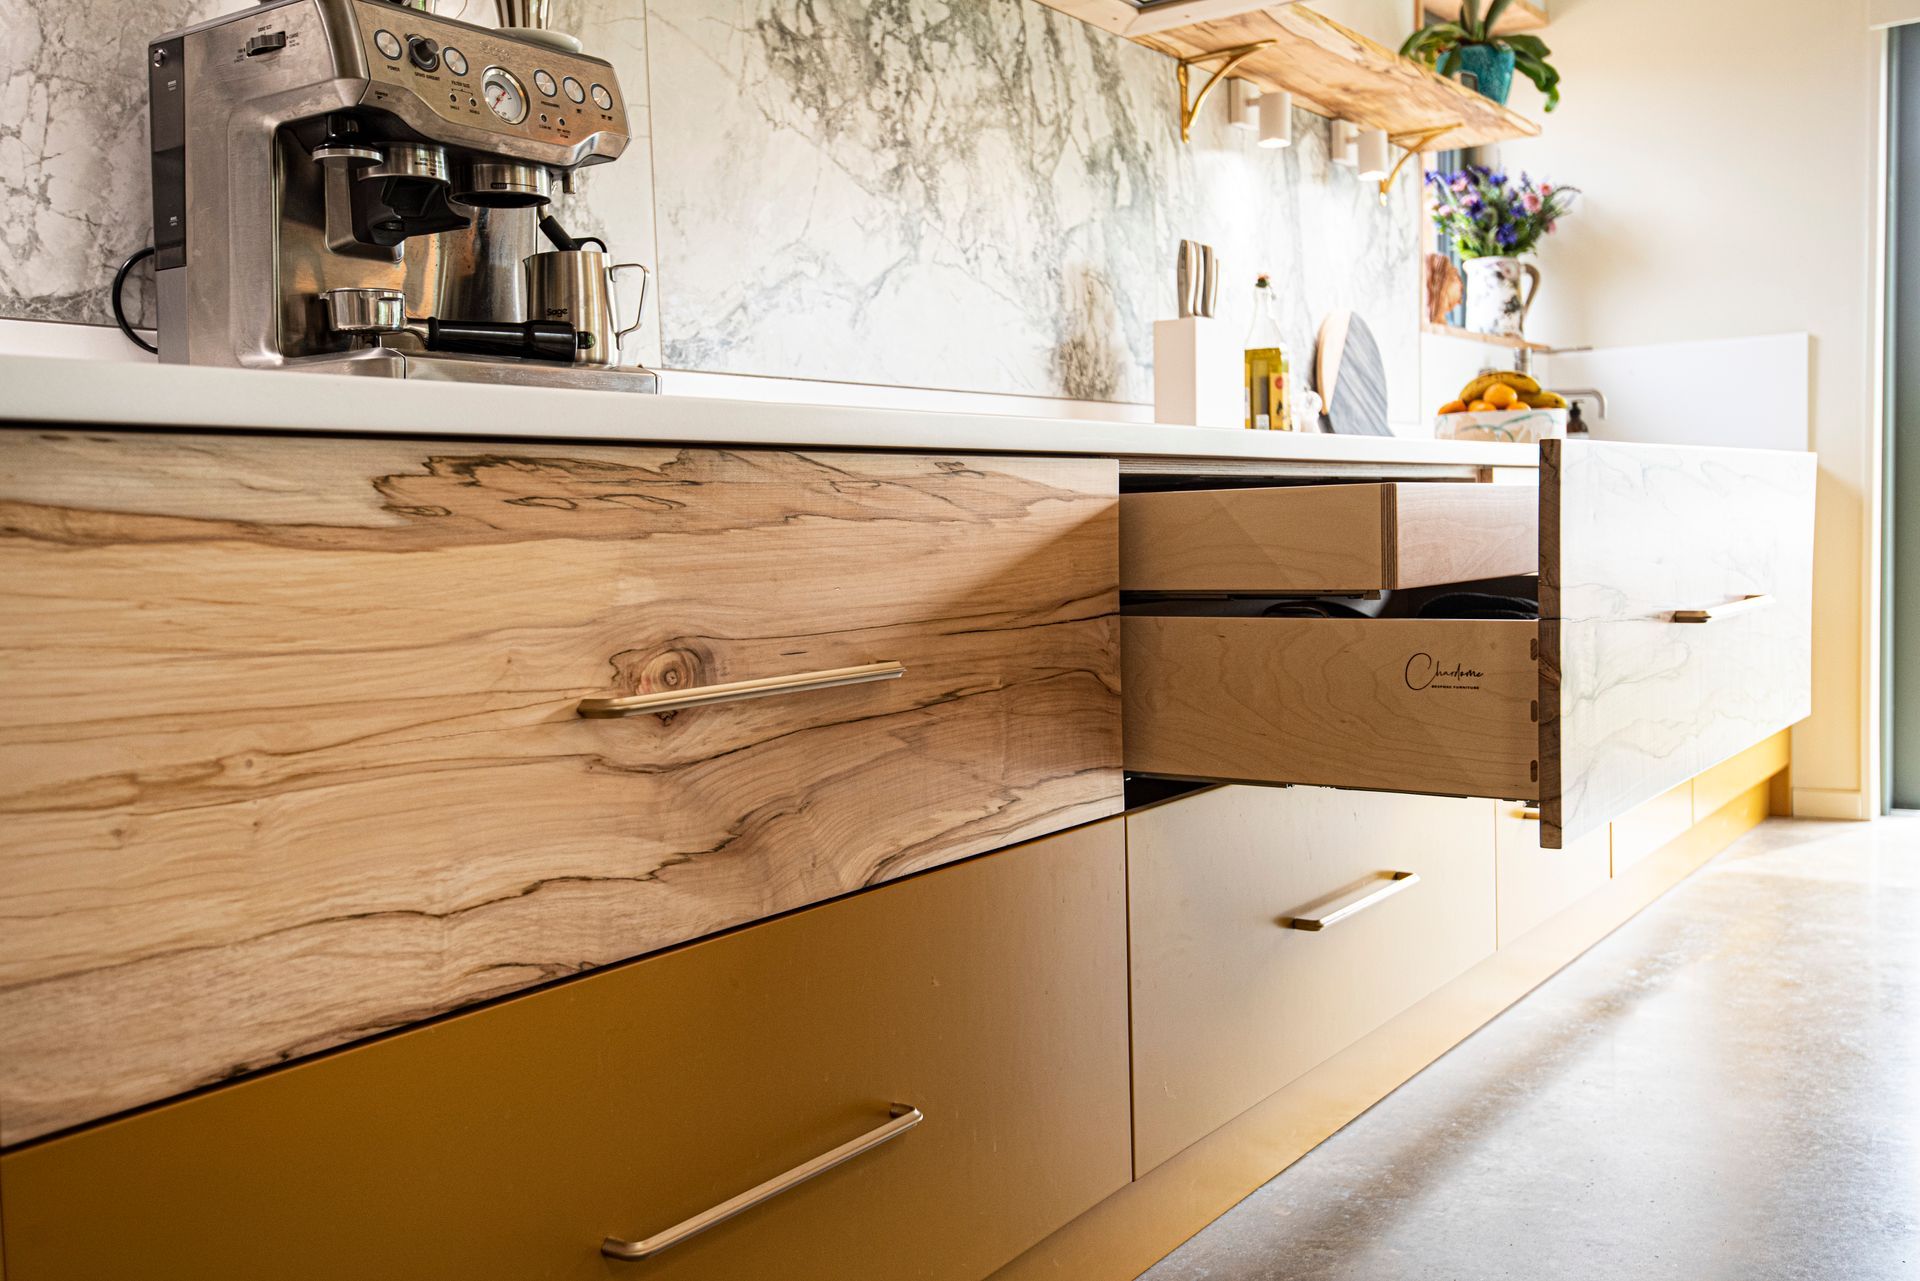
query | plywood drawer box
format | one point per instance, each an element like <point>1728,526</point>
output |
<point>291,749</point>
<point>1535,883</point>
<point>506,1144</point>
<point>1326,538</point>
<point>1230,1000</point>
<point>1675,592</point>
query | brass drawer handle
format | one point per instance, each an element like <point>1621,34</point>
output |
<point>1394,883</point>
<point>1744,605</point>
<point>674,700</point>
<point>904,1117</point>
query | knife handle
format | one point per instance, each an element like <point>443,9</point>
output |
<point>1191,277</point>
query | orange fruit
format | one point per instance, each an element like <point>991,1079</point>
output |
<point>1454,407</point>
<point>1483,407</point>
<point>1501,396</point>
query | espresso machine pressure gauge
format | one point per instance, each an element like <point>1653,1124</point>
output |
<point>505,95</point>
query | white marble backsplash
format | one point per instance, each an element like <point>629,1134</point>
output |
<point>981,195</point>
<point>75,198</point>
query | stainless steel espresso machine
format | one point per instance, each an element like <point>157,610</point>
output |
<point>357,186</point>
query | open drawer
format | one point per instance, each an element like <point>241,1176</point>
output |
<point>1675,631</point>
<point>1321,539</point>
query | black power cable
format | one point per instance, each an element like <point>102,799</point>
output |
<point>119,309</point>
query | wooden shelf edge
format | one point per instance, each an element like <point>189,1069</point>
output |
<point>1489,340</point>
<point>1342,75</point>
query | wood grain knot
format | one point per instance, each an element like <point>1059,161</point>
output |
<point>677,667</point>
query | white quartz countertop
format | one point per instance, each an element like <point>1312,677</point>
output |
<point>39,390</point>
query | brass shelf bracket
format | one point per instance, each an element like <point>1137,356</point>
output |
<point>1414,144</point>
<point>1190,111</point>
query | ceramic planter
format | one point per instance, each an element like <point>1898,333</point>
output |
<point>1494,301</point>
<point>1483,68</point>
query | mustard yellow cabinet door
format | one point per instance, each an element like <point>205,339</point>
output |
<point>1536,883</point>
<point>509,1143</point>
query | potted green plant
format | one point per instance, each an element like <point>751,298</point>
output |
<point>1469,48</point>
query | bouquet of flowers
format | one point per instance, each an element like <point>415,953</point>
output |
<point>1486,216</point>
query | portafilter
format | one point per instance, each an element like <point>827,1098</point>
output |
<point>372,312</point>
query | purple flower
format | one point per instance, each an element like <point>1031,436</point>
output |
<point>1507,234</point>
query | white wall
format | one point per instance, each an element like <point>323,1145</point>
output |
<point>1386,22</point>
<point>1728,150</point>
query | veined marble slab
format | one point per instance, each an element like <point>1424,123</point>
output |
<point>980,195</point>
<point>75,191</point>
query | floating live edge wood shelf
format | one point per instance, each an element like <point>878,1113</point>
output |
<point>1343,75</point>
<point>1490,340</point>
<point>1335,73</point>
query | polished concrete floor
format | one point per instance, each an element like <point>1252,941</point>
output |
<point>1726,1088</point>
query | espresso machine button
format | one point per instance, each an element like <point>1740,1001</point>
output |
<point>424,53</point>
<point>389,45</point>
<point>266,42</point>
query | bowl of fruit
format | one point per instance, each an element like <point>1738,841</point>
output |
<point>1502,405</point>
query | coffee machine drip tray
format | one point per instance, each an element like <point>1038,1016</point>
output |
<point>395,362</point>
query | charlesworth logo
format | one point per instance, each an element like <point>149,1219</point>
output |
<point>1424,671</point>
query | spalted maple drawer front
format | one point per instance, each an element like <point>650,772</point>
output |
<point>506,1144</point>
<point>1326,538</point>
<point>1230,1000</point>
<point>1406,705</point>
<point>289,743</point>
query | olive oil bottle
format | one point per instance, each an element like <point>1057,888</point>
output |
<point>1269,373</point>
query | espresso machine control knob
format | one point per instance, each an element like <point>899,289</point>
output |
<point>424,53</point>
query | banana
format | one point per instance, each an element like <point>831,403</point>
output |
<point>1545,400</point>
<point>1521,383</point>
